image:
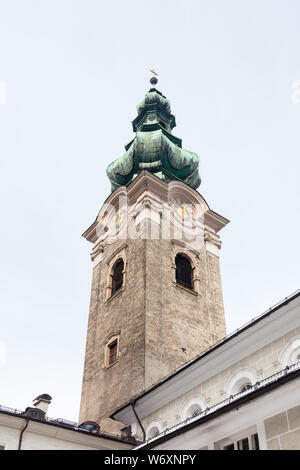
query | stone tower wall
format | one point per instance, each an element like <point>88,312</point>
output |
<point>160,324</point>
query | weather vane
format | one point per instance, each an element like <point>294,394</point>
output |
<point>153,79</point>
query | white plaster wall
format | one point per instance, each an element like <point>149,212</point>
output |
<point>40,436</point>
<point>9,437</point>
<point>264,362</point>
<point>248,418</point>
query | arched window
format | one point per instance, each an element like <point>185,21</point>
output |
<point>240,381</point>
<point>154,431</point>
<point>291,352</point>
<point>154,427</point>
<point>191,407</point>
<point>117,276</point>
<point>184,271</point>
<point>194,410</point>
<point>245,387</point>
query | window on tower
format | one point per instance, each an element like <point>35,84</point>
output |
<point>113,351</point>
<point>117,276</point>
<point>184,271</point>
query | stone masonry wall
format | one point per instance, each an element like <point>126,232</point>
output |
<point>283,430</point>
<point>104,390</point>
<point>162,325</point>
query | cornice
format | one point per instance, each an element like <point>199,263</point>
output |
<point>148,187</point>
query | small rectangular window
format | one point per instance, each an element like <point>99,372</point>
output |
<point>113,350</point>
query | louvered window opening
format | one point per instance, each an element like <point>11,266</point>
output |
<point>117,278</point>
<point>184,272</point>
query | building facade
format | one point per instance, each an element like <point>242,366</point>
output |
<point>158,360</point>
<point>32,429</point>
<point>241,393</point>
<point>160,372</point>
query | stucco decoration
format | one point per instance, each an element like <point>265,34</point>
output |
<point>154,427</point>
<point>290,354</point>
<point>240,378</point>
<point>191,406</point>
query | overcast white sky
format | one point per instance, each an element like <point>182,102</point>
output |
<point>74,71</point>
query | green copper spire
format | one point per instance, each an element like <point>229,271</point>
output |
<point>154,148</point>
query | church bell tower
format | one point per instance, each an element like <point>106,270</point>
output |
<point>156,297</point>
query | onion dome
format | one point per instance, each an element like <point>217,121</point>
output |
<point>154,107</point>
<point>154,148</point>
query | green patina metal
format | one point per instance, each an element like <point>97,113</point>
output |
<point>155,148</point>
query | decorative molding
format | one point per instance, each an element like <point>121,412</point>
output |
<point>212,238</point>
<point>290,352</point>
<point>186,246</point>
<point>190,291</point>
<point>189,402</point>
<point>116,251</point>
<point>98,248</point>
<point>112,336</point>
<point>158,192</point>
<point>154,423</point>
<point>108,366</point>
<point>112,297</point>
<point>241,376</point>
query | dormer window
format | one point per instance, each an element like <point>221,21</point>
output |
<point>153,432</point>
<point>90,426</point>
<point>245,387</point>
<point>194,411</point>
<point>184,271</point>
